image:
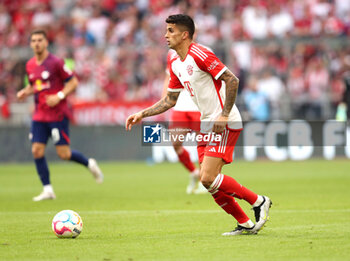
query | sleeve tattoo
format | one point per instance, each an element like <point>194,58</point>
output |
<point>231,82</point>
<point>161,106</point>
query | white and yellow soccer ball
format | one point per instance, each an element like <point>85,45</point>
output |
<point>67,224</point>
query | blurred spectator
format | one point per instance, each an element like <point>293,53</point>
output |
<point>321,8</point>
<point>97,26</point>
<point>207,27</point>
<point>259,59</point>
<point>256,101</point>
<point>87,89</point>
<point>5,19</point>
<point>255,20</point>
<point>61,8</point>
<point>273,88</point>
<point>345,101</point>
<point>346,96</point>
<point>43,17</point>
<point>302,18</point>
<point>4,107</point>
<point>22,19</point>
<point>317,79</point>
<point>342,8</point>
<point>296,87</point>
<point>280,21</point>
<point>116,87</point>
<point>80,14</point>
<point>124,28</point>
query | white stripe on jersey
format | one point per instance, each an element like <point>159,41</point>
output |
<point>198,55</point>
<point>200,51</point>
<point>220,73</point>
<point>175,90</point>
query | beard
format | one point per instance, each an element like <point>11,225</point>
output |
<point>39,50</point>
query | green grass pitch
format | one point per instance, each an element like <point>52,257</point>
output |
<point>141,212</point>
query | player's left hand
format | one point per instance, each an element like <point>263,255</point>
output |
<point>52,100</point>
<point>220,124</point>
<point>132,120</point>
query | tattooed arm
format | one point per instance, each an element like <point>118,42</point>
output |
<point>231,82</point>
<point>161,106</point>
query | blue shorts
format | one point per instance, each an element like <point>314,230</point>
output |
<point>58,131</point>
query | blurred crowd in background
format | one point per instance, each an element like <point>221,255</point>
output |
<point>290,55</point>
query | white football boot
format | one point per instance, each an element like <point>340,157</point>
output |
<point>45,195</point>
<point>95,170</point>
<point>241,230</point>
<point>262,213</point>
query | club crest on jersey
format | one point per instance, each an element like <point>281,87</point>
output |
<point>190,69</point>
<point>45,75</point>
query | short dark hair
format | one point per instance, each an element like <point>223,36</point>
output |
<point>183,20</point>
<point>39,31</point>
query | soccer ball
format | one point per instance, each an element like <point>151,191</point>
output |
<point>67,224</point>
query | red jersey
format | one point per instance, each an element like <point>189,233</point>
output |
<point>46,79</point>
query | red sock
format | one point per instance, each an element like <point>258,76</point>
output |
<point>230,205</point>
<point>231,187</point>
<point>185,159</point>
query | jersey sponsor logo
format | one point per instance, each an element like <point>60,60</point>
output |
<point>151,133</point>
<point>189,88</point>
<point>213,65</point>
<point>190,69</point>
<point>39,85</point>
<point>45,75</point>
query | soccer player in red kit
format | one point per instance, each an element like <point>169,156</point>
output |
<point>50,81</point>
<point>213,88</point>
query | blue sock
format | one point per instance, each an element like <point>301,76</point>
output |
<point>43,170</point>
<point>80,158</point>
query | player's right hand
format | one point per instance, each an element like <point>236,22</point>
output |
<point>132,120</point>
<point>21,95</point>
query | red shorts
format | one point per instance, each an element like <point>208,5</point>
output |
<point>220,149</point>
<point>185,120</point>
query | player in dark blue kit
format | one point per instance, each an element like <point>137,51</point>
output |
<point>51,81</point>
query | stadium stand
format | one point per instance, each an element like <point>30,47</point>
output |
<point>296,51</point>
